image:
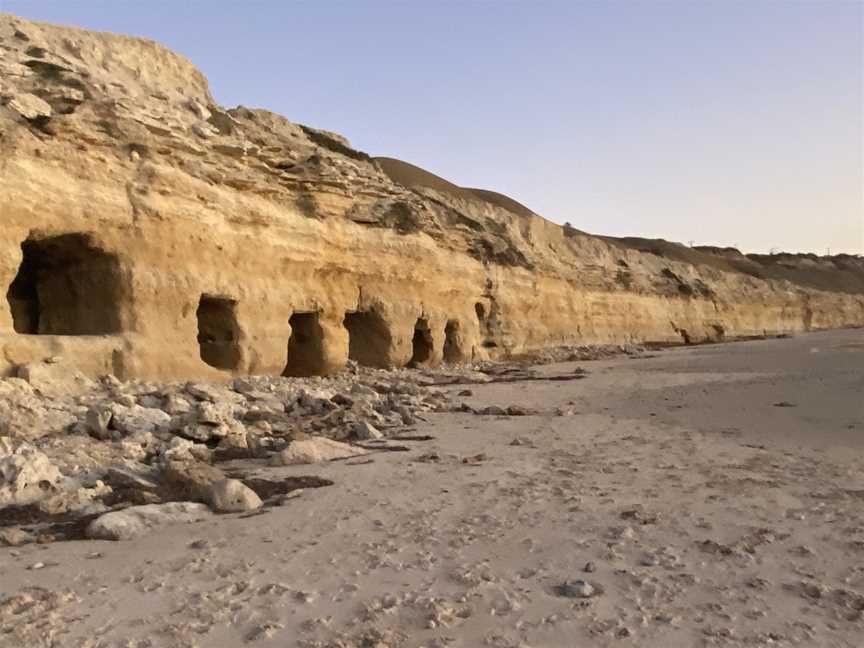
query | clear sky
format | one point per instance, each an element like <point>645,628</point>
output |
<point>722,122</point>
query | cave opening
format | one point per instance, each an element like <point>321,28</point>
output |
<point>305,346</point>
<point>65,286</point>
<point>369,338</point>
<point>218,332</point>
<point>421,343</point>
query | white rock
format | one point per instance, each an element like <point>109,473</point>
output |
<point>316,450</point>
<point>136,419</point>
<point>214,413</point>
<point>232,496</point>
<point>176,404</point>
<point>23,414</point>
<point>26,474</point>
<point>135,521</point>
<point>181,450</point>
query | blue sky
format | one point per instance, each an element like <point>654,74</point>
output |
<point>715,122</point>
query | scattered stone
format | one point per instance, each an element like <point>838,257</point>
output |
<point>97,421</point>
<point>136,521</point>
<point>134,419</point>
<point>365,431</point>
<point>429,457</point>
<point>493,410</point>
<point>184,450</point>
<point>518,410</point>
<point>576,589</point>
<point>176,404</point>
<point>213,393</point>
<point>26,474</point>
<point>139,476</point>
<point>232,496</point>
<point>189,480</point>
<point>15,537</point>
<point>55,379</point>
<point>316,450</point>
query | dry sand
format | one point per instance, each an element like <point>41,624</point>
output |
<point>708,496</point>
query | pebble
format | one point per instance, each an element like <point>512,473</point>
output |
<point>576,589</point>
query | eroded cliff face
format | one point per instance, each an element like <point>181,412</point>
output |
<point>147,232</point>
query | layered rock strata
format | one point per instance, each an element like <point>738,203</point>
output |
<point>149,233</point>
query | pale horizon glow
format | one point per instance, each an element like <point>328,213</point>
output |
<point>721,123</point>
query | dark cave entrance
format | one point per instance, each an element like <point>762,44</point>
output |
<point>368,338</point>
<point>421,343</point>
<point>305,346</point>
<point>65,286</point>
<point>218,332</point>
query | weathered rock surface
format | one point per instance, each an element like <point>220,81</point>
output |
<point>316,450</point>
<point>136,521</point>
<point>208,242</point>
<point>232,496</point>
<point>190,480</point>
<point>26,474</point>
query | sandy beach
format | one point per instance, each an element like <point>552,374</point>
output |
<point>703,496</point>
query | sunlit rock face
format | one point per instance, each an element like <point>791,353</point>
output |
<point>148,232</point>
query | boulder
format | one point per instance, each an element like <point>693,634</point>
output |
<point>214,413</point>
<point>232,496</point>
<point>364,431</point>
<point>177,404</point>
<point>136,521</point>
<point>136,419</point>
<point>210,421</point>
<point>184,450</point>
<point>26,474</point>
<point>189,480</point>
<point>316,450</point>
<point>26,415</point>
<point>139,446</point>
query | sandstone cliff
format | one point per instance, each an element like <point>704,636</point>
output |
<point>148,232</point>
